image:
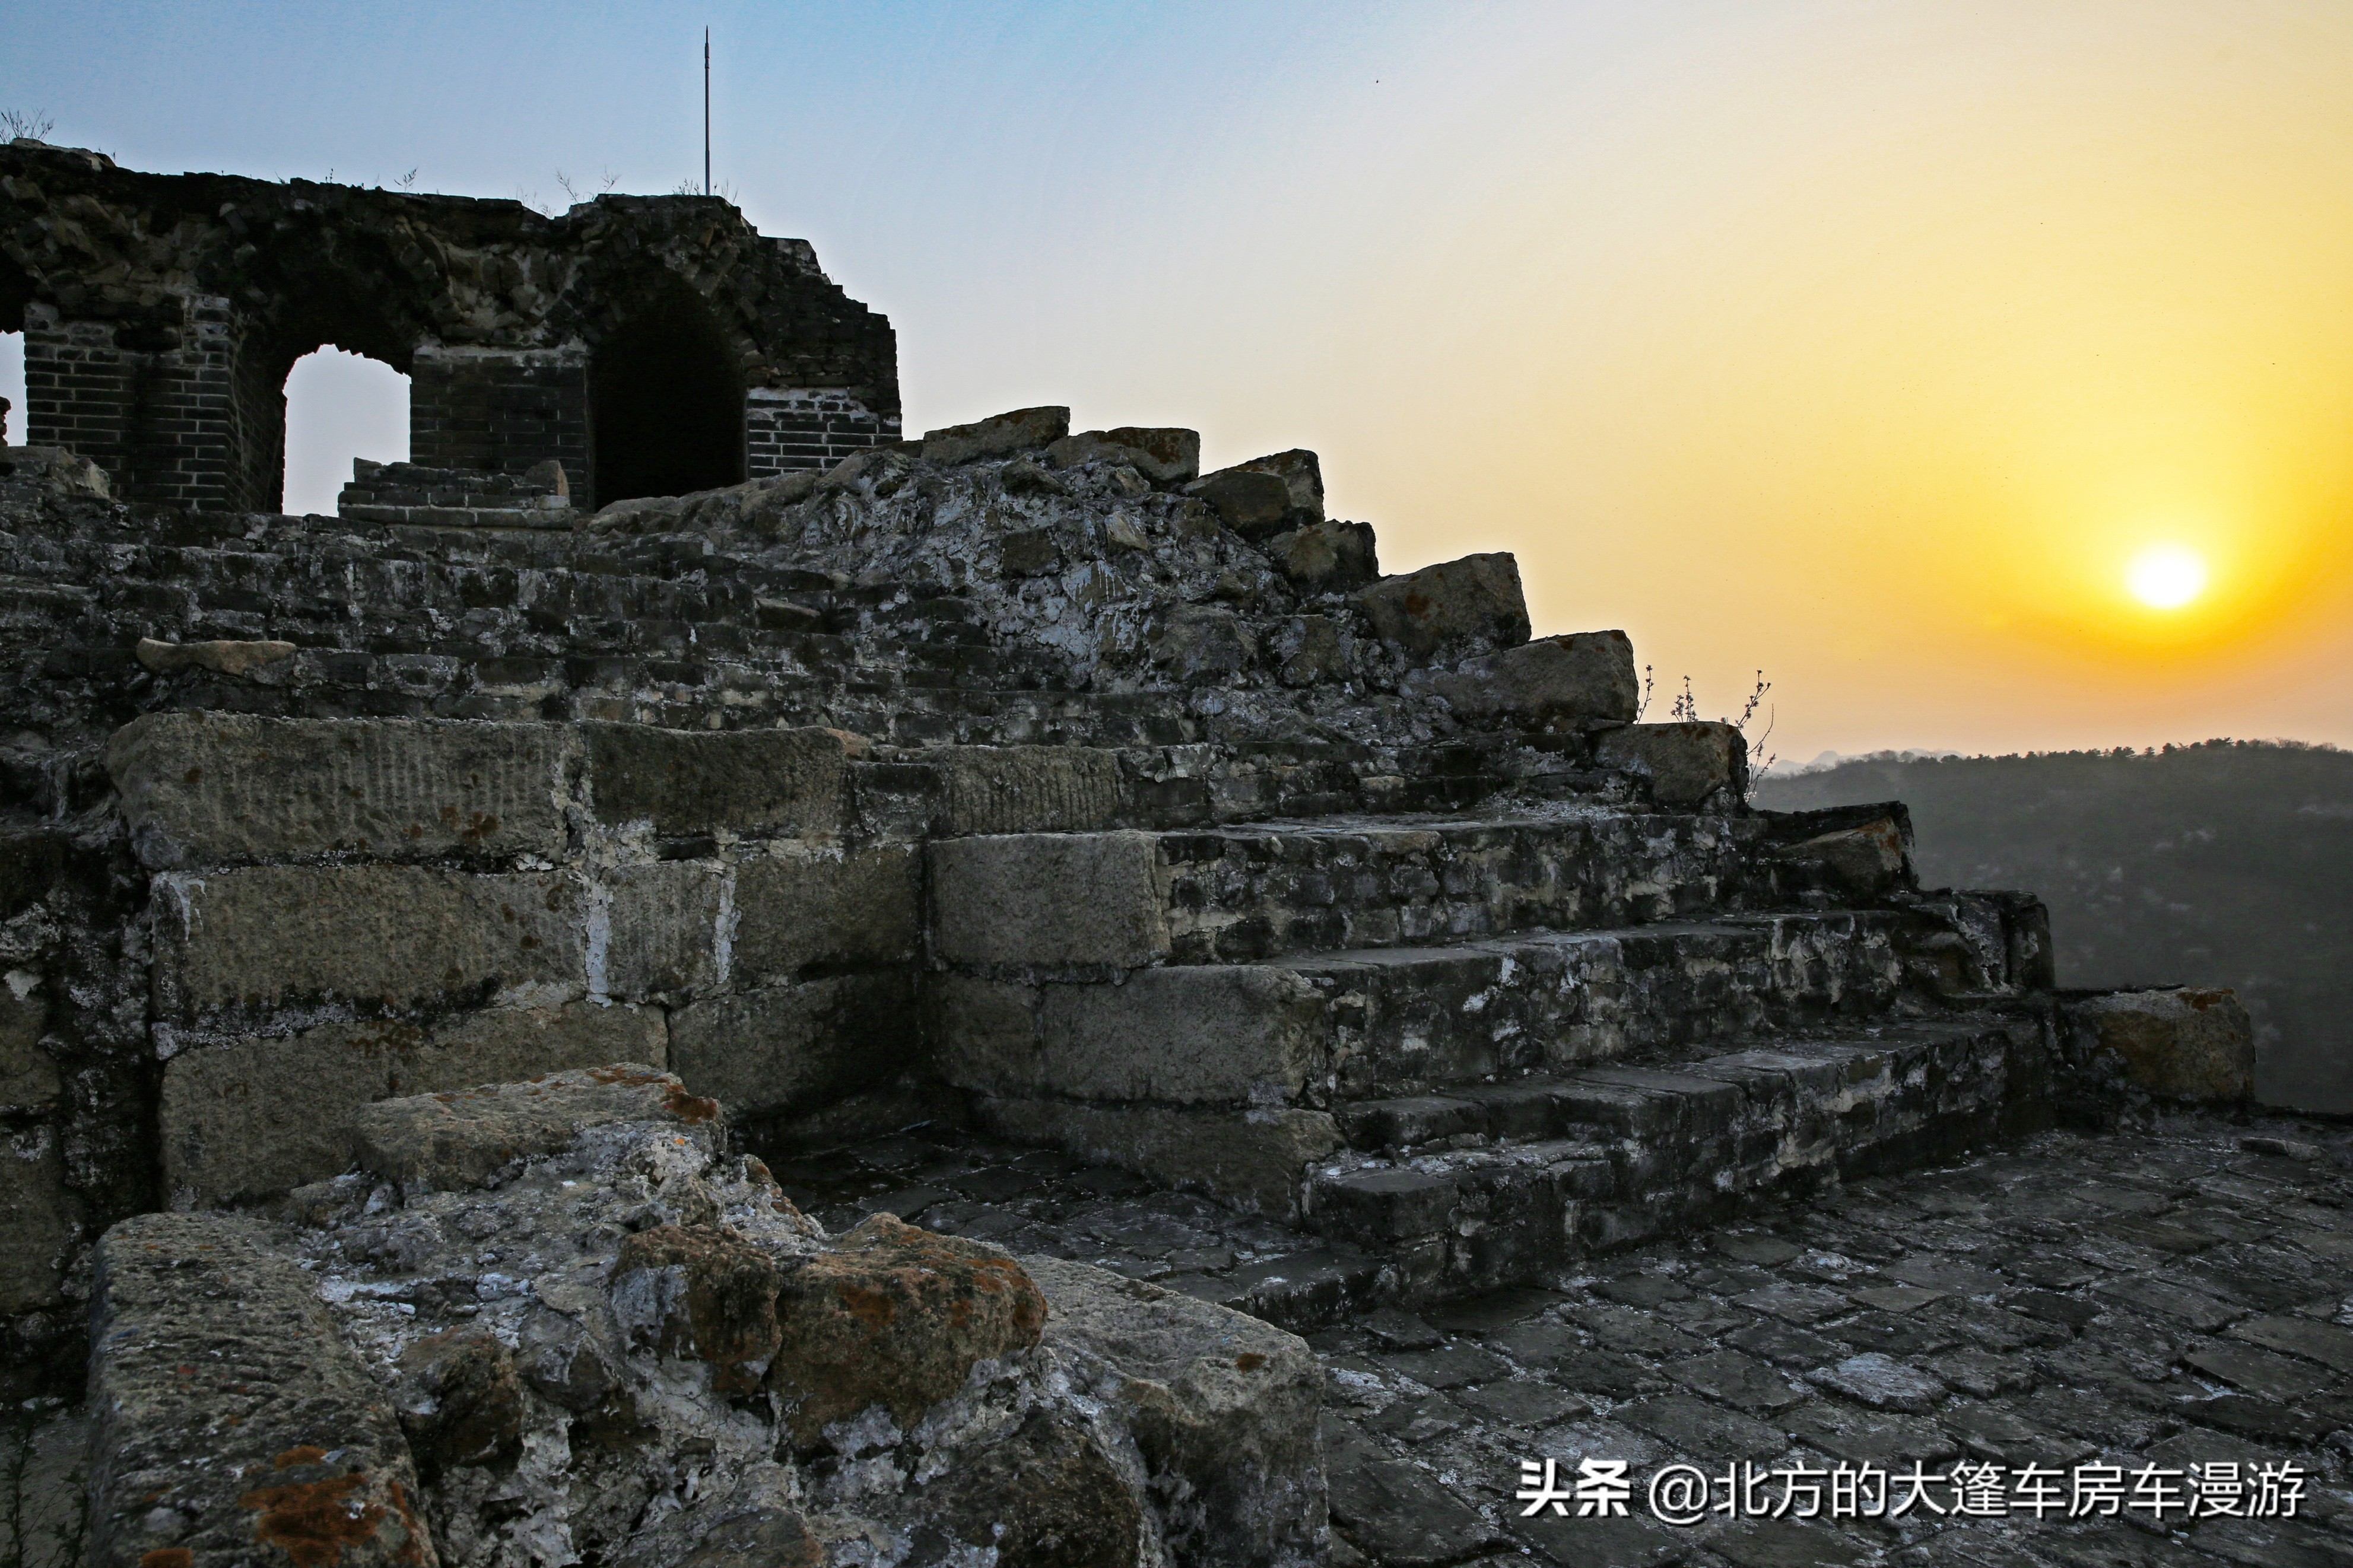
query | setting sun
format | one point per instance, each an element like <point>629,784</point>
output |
<point>2165,576</point>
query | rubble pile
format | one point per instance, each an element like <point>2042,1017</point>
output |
<point>555,1322</point>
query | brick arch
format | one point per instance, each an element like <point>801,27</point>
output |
<point>165,312</point>
<point>665,396</point>
<point>334,308</point>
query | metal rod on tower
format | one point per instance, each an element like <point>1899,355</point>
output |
<point>706,112</point>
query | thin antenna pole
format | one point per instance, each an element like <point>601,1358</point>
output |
<point>706,112</point>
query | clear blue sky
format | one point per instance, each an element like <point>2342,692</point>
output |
<point>1865,340</point>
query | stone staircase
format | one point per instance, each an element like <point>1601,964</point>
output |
<point>1475,1046</point>
<point>1074,801</point>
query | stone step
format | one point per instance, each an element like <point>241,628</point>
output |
<point>1239,894</point>
<point>1496,1186</point>
<point>1328,1029</point>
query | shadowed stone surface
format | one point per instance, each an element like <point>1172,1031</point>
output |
<point>251,1120</point>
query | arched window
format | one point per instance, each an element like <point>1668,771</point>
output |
<point>339,406</point>
<point>665,402</point>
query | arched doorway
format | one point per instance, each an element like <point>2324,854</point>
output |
<point>16,291</point>
<point>666,402</point>
<point>339,406</point>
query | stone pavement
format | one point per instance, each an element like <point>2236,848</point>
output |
<point>2163,1297</point>
<point>2166,1297</point>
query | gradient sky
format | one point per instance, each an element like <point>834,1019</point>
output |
<point>1866,342</point>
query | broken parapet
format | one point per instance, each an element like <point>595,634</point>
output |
<point>558,1321</point>
<point>649,343</point>
<point>2179,1043</point>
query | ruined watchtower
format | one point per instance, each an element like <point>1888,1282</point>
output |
<point>653,346</point>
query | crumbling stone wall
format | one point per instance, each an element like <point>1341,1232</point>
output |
<point>162,313</point>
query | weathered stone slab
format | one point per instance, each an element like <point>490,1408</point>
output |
<point>2184,1044</point>
<point>826,906</point>
<point>753,783</point>
<point>1164,455</point>
<point>251,1120</point>
<point>1027,789</point>
<point>1474,604</point>
<point>222,656</point>
<point>1326,557</point>
<point>1254,504</point>
<point>1222,1407</point>
<point>793,1047</point>
<point>666,929</point>
<point>999,435</point>
<point>39,1220</point>
<point>1252,1159</point>
<point>983,1034</point>
<point>1560,682</point>
<point>895,1316</point>
<point>1302,473</point>
<point>1860,862</point>
<point>233,1425</point>
<point>1686,765</point>
<point>208,789</point>
<point>1190,1035</point>
<point>1050,899</point>
<point>28,1075</point>
<point>396,937</point>
<point>463,1138</point>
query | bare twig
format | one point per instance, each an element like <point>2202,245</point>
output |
<point>29,123</point>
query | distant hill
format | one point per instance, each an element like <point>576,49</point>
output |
<point>2229,863</point>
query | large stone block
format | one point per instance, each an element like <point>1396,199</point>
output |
<point>2183,1044</point>
<point>792,1047</point>
<point>233,1425</point>
<point>1687,766</point>
<point>996,437</point>
<point>1200,1035</point>
<point>393,936</point>
<point>753,783</point>
<point>984,1033</point>
<point>1253,1160</point>
<point>895,1316</point>
<point>256,1118</point>
<point>1025,789</point>
<point>463,1138</point>
<point>209,789</point>
<point>826,906</point>
<point>1164,455</point>
<point>1222,1407</point>
<point>1050,899</point>
<point>39,1220</point>
<point>665,929</point>
<point>1553,683</point>
<point>1326,557</point>
<point>28,1075</point>
<point>1473,604</point>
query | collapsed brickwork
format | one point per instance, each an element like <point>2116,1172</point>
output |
<point>1013,779</point>
<point>648,344</point>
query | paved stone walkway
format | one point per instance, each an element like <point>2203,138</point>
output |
<point>2153,1299</point>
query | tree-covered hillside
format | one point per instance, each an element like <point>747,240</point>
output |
<point>2229,863</point>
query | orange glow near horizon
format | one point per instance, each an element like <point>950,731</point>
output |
<point>1872,344</point>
